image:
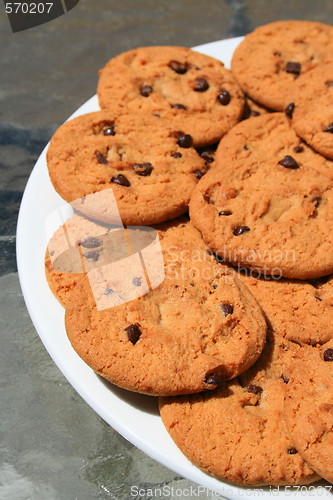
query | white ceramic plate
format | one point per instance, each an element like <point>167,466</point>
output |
<point>134,416</point>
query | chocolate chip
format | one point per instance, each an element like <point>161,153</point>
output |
<point>293,67</point>
<point>278,54</point>
<point>109,130</point>
<point>328,355</point>
<point>238,230</point>
<point>225,212</point>
<point>199,173</point>
<point>178,67</point>
<point>289,110</point>
<point>201,85</point>
<point>91,255</point>
<point>137,281</point>
<point>289,162</point>
<point>254,113</point>
<point>207,155</point>
<point>316,200</point>
<point>176,155</point>
<point>292,451</point>
<point>329,83</point>
<point>133,333</point>
<point>91,242</point>
<point>224,97</point>
<point>143,169</point>
<point>185,141</point>
<point>108,291</point>
<point>329,128</point>
<point>146,90</point>
<point>285,379</point>
<point>254,389</point>
<point>227,309</point>
<point>101,158</point>
<point>52,253</point>
<point>298,149</point>
<point>121,180</point>
<point>179,106</point>
<point>215,379</point>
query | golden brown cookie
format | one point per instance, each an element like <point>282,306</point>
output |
<point>193,331</point>
<point>76,248</point>
<point>311,108</point>
<point>268,62</point>
<point>309,407</point>
<point>263,208</point>
<point>135,170</point>
<point>269,137</point>
<point>238,432</point>
<point>194,92</point>
<point>297,310</point>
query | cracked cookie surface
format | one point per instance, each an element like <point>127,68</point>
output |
<point>238,433</point>
<point>270,59</point>
<point>309,406</point>
<point>192,91</point>
<point>198,328</point>
<point>139,165</point>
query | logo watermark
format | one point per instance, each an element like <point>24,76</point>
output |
<point>23,15</point>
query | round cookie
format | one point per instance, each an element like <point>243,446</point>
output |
<point>194,92</point>
<point>139,165</point>
<point>270,212</point>
<point>296,310</point>
<point>199,327</point>
<point>312,108</point>
<point>309,407</point>
<point>238,432</point>
<point>265,138</point>
<point>269,60</point>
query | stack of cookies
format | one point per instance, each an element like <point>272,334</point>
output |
<point>223,306</point>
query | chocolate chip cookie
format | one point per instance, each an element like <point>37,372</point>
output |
<point>309,407</point>
<point>296,310</point>
<point>270,212</point>
<point>130,170</point>
<point>198,328</point>
<point>269,137</point>
<point>238,432</point>
<point>312,108</point>
<point>269,61</point>
<point>194,92</point>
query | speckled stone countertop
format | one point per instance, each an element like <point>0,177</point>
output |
<point>53,445</point>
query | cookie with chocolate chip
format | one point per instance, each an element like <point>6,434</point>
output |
<point>194,92</point>
<point>299,311</point>
<point>129,170</point>
<point>267,204</point>
<point>309,407</point>
<point>238,433</point>
<point>197,328</point>
<point>269,61</point>
<point>312,108</point>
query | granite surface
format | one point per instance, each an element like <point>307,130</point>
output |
<point>53,446</point>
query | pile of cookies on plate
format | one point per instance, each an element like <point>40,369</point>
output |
<point>226,313</point>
